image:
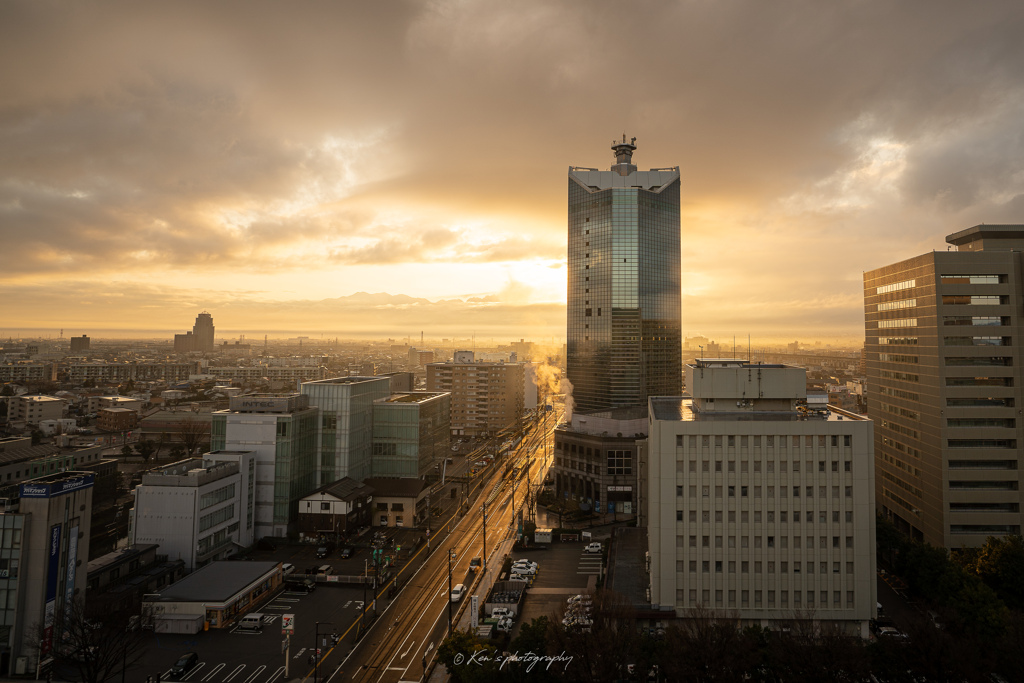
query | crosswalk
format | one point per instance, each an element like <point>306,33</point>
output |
<point>589,565</point>
<point>211,672</point>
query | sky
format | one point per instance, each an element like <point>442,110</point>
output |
<point>386,169</point>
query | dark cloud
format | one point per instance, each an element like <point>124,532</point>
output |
<point>238,136</point>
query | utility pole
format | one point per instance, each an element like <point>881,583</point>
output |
<point>451,556</point>
<point>484,508</point>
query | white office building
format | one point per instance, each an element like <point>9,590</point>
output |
<point>760,508</point>
<point>198,510</point>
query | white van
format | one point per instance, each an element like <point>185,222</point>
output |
<point>458,592</point>
<point>251,622</point>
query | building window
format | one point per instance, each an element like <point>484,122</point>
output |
<point>325,507</point>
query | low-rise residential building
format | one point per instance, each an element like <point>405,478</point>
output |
<point>398,502</point>
<point>34,409</point>
<point>198,510</point>
<point>116,419</point>
<point>336,510</point>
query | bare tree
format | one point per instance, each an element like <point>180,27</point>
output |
<point>194,433</point>
<point>95,652</point>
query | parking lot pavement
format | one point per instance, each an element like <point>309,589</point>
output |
<point>564,570</point>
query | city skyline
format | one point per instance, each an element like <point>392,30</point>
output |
<point>361,170</point>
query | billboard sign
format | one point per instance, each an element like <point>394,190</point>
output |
<point>51,489</point>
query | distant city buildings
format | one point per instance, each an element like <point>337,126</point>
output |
<point>758,507</point>
<point>624,289</point>
<point>79,344</point>
<point>943,356</point>
<point>200,339</point>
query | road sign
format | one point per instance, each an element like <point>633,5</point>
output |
<point>287,624</point>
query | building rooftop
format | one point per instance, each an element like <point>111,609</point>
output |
<point>354,379</point>
<point>681,409</point>
<point>394,487</point>
<point>415,397</point>
<point>216,582</point>
<point>1015,232</point>
<point>120,555</point>
<point>345,488</point>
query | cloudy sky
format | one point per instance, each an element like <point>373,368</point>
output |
<point>384,168</point>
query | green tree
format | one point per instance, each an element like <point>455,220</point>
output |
<point>177,452</point>
<point>468,660</point>
<point>126,451</point>
<point>145,448</point>
<point>1000,564</point>
<point>8,390</point>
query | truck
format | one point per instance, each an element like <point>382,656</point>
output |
<point>542,536</point>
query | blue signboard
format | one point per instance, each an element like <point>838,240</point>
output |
<point>49,490</point>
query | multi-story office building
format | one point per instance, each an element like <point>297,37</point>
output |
<point>198,510</point>
<point>757,507</point>
<point>346,424</point>
<point>624,299</point>
<point>79,344</point>
<point>411,433</point>
<point>44,554</point>
<point>596,461</point>
<point>942,347</point>
<point>282,432</point>
<point>486,397</point>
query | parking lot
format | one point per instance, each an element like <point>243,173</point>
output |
<point>564,570</point>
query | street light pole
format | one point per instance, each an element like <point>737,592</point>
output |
<point>484,508</point>
<point>316,649</point>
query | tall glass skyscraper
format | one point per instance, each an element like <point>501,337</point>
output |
<point>624,336</point>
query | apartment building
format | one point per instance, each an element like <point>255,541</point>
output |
<point>759,507</point>
<point>34,409</point>
<point>486,397</point>
<point>942,335</point>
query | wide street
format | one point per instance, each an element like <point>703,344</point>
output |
<point>411,620</point>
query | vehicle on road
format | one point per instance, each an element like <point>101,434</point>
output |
<point>345,553</point>
<point>299,585</point>
<point>476,564</point>
<point>185,663</point>
<point>481,463</point>
<point>288,568</point>
<point>457,592</point>
<point>594,547</point>
<point>322,552</point>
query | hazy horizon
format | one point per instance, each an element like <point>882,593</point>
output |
<point>383,169</point>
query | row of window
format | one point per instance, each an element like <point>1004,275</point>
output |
<point>770,440</point>
<point>783,490</point>
<point>730,466</point>
<point>769,515</point>
<point>744,566</point>
<point>745,598</point>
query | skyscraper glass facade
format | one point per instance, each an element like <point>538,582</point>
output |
<point>624,334</point>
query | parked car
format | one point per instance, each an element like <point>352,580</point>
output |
<point>594,547</point>
<point>505,624</point>
<point>184,664</point>
<point>500,612</point>
<point>524,570</point>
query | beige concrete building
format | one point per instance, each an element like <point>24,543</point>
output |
<point>34,409</point>
<point>759,507</point>
<point>942,333</point>
<point>486,397</point>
